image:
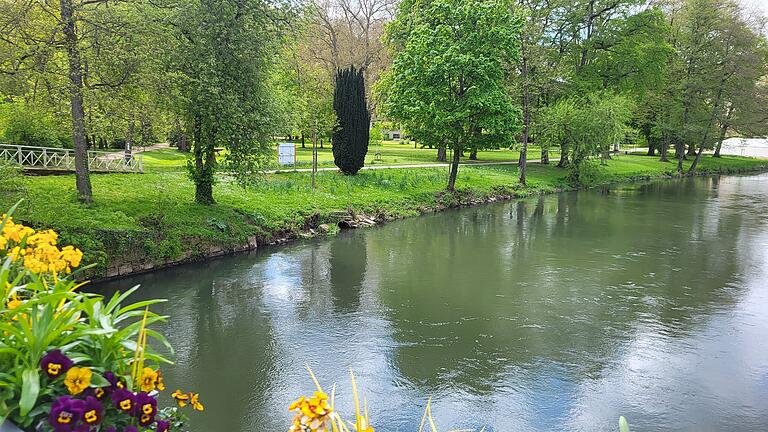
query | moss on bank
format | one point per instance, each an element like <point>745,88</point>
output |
<point>141,221</point>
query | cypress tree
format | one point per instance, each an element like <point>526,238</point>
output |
<point>350,138</point>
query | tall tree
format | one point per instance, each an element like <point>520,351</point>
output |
<point>448,72</point>
<point>223,58</point>
<point>741,63</point>
<point>350,138</point>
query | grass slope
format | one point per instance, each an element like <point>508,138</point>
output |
<point>153,217</point>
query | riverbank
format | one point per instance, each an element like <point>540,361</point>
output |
<point>143,222</point>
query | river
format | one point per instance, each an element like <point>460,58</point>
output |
<point>559,312</point>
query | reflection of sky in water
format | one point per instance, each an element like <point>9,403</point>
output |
<point>553,313</point>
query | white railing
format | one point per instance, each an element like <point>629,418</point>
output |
<point>48,158</point>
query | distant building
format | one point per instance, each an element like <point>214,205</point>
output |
<point>392,134</point>
<point>753,147</point>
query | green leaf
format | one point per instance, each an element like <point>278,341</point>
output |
<point>30,388</point>
<point>98,381</point>
<point>623,425</point>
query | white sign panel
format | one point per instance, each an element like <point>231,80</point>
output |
<point>286,154</point>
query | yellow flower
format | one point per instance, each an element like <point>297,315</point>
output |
<point>14,302</point>
<point>160,385</point>
<point>148,379</point>
<point>182,399</point>
<point>312,414</point>
<point>195,402</point>
<point>77,380</point>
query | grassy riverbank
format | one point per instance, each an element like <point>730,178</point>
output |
<point>139,221</point>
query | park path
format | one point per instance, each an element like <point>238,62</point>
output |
<point>138,149</point>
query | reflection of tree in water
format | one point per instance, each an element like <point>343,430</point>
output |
<point>348,262</point>
<point>566,279</point>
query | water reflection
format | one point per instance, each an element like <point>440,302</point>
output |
<point>558,312</point>
<point>347,262</point>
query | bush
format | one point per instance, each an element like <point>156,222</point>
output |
<point>10,177</point>
<point>21,124</point>
<point>376,135</point>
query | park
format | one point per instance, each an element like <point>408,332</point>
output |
<point>383,215</point>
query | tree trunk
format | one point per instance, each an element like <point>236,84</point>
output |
<point>544,156</point>
<point>680,155</point>
<point>709,126</point>
<point>129,140</point>
<point>563,156</point>
<point>205,159</point>
<point>441,154</point>
<point>82,171</point>
<point>302,141</point>
<point>454,168</point>
<point>723,130</point>
<point>473,154</point>
<point>664,150</point>
<point>651,147</point>
<point>523,161</point>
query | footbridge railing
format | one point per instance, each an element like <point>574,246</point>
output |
<point>58,159</point>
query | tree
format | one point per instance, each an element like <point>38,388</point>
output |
<point>223,57</point>
<point>448,73</point>
<point>742,62</point>
<point>585,127</point>
<point>343,33</point>
<point>67,57</point>
<point>350,138</point>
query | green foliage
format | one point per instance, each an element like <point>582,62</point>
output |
<point>226,47</point>
<point>586,127</point>
<point>11,181</point>
<point>350,138</point>
<point>22,124</point>
<point>376,134</point>
<point>448,73</point>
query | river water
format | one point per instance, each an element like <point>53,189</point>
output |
<point>552,313</point>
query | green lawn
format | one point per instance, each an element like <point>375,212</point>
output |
<point>403,153</point>
<point>388,153</point>
<point>153,215</point>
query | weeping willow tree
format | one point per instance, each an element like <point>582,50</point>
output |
<point>350,138</point>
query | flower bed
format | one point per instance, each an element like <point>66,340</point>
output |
<point>75,361</point>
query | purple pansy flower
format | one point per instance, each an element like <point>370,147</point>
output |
<point>115,381</point>
<point>99,393</point>
<point>124,400</point>
<point>145,408</point>
<point>93,413</point>
<point>55,364</point>
<point>162,426</point>
<point>66,413</point>
<point>130,429</point>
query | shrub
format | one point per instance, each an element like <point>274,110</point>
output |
<point>350,139</point>
<point>21,124</point>
<point>11,178</point>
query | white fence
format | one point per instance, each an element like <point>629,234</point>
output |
<point>57,159</point>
